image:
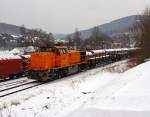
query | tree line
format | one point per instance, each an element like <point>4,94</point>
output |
<point>27,37</point>
<point>141,32</point>
<point>35,37</point>
<point>97,40</point>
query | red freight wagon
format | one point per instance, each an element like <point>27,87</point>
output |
<point>10,66</point>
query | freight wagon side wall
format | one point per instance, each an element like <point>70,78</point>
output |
<point>10,67</point>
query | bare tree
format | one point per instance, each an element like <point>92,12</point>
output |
<point>70,41</point>
<point>141,31</point>
<point>97,40</point>
<point>35,37</point>
<point>77,39</point>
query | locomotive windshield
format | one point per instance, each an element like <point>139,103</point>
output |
<point>50,49</point>
<point>63,51</point>
<point>58,49</point>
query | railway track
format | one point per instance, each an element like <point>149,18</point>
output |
<point>17,89</point>
<point>14,86</point>
<point>17,85</point>
<point>12,81</point>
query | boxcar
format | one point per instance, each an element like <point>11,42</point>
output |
<point>10,66</point>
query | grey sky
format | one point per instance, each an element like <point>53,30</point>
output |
<point>63,16</point>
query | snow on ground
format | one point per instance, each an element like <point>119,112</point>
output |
<point>13,54</point>
<point>127,96</point>
<point>96,92</point>
<point>8,55</point>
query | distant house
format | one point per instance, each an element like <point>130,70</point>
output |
<point>116,45</point>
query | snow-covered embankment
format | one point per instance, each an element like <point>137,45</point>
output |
<point>128,95</point>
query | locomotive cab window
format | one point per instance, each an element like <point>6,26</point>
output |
<point>57,52</point>
<point>47,49</point>
<point>66,50</point>
<point>62,51</point>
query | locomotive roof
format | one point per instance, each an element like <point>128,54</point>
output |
<point>60,47</point>
<point>55,47</point>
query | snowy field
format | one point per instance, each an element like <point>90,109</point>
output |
<point>94,93</point>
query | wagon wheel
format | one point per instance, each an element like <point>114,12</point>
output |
<point>65,73</point>
<point>45,77</point>
<point>60,74</point>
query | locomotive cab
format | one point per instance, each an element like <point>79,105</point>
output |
<point>61,50</point>
<point>61,56</point>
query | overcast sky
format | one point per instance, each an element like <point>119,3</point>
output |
<point>63,16</point>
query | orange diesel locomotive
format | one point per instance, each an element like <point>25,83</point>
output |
<point>55,62</point>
